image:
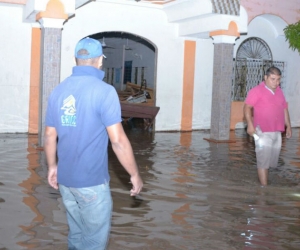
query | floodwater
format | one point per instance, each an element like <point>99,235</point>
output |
<point>197,195</point>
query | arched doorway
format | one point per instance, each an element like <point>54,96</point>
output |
<point>130,67</point>
<point>129,58</point>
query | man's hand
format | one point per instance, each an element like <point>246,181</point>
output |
<point>137,185</point>
<point>123,150</point>
<point>288,132</point>
<point>52,177</point>
<point>287,120</point>
<point>248,116</point>
<point>250,129</point>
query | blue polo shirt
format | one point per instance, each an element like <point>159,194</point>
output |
<point>80,108</point>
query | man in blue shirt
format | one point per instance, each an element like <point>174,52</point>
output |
<point>83,113</point>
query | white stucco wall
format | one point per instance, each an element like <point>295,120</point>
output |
<point>270,29</point>
<point>203,84</point>
<point>15,44</point>
<point>150,23</point>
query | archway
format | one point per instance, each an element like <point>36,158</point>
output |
<point>129,58</point>
<point>130,66</point>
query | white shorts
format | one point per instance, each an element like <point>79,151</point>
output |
<point>267,149</point>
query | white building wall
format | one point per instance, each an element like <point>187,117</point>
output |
<point>270,29</point>
<point>203,84</point>
<point>153,25</point>
<point>15,44</point>
<point>150,23</point>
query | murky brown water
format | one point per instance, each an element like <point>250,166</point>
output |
<point>197,195</point>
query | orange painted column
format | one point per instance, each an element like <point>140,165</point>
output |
<point>35,67</point>
<point>188,85</point>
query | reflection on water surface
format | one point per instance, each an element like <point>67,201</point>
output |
<point>197,195</point>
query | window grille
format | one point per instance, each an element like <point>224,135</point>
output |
<point>248,73</point>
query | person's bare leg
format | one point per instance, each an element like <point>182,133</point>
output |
<point>263,176</point>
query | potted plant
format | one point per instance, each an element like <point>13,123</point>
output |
<point>292,35</point>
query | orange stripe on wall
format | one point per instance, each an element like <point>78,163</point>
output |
<point>14,1</point>
<point>188,85</point>
<point>34,81</point>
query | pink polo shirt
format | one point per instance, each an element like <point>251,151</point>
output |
<point>268,108</point>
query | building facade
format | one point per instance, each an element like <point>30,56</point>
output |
<point>196,44</point>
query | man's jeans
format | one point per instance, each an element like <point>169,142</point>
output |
<point>89,216</point>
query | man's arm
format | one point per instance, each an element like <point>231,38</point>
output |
<point>287,123</point>
<point>123,150</point>
<point>50,142</point>
<point>248,115</point>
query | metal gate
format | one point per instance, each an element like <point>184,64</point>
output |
<point>248,73</point>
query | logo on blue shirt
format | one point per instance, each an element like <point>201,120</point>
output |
<point>69,116</point>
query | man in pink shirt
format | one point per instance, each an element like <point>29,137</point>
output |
<point>266,109</point>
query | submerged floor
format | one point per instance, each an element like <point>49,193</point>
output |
<point>197,195</point>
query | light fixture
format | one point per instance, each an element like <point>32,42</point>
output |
<point>103,43</point>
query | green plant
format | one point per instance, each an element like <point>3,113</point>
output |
<point>292,34</point>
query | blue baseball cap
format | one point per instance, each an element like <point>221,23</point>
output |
<point>93,48</point>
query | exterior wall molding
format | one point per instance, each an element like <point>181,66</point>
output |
<point>224,39</point>
<point>192,9</point>
<point>199,26</point>
<point>36,9</point>
<point>52,23</point>
<point>226,36</point>
<point>55,9</point>
<point>36,25</point>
